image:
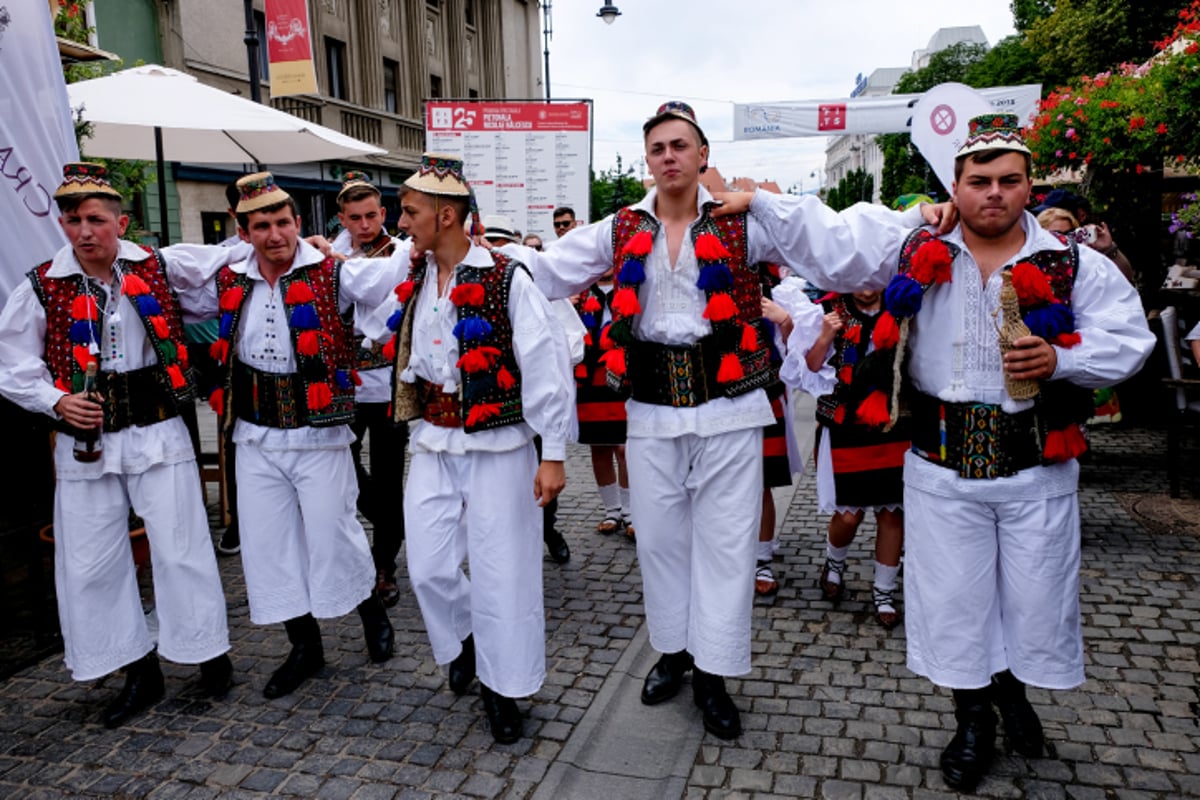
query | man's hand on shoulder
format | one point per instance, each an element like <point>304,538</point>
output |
<point>325,246</point>
<point>731,203</point>
<point>943,216</point>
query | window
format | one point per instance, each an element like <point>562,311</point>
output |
<point>435,86</point>
<point>472,94</point>
<point>335,61</point>
<point>264,57</point>
<point>391,72</point>
<point>469,12</point>
<point>433,3</point>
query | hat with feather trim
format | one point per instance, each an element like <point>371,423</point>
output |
<point>85,178</point>
<point>259,190</point>
<point>993,131</point>
<point>442,175</point>
<point>355,179</point>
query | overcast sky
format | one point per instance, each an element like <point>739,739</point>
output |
<point>712,54</point>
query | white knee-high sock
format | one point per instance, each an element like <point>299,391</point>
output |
<point>610,499</point>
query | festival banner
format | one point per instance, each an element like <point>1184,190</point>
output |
<point>37,136</point>
<point>891,113</point>
<point>289,48</point>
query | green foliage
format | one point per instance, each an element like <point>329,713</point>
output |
<point>1009,63</point>
<point>70,22</point>
<point>856,187</point>
<point>614,189</point>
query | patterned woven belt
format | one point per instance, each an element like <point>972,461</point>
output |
<point>267,398</point>
<point>132,399</point>
<point>437,407</point>
<point>977,440</point>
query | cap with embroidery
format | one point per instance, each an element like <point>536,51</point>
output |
<point>993,131</point>
<point>498,226</point>
<point>441,174</point>
<point>259,191</point>
<point>674,109</point>
<point>85,178</point>
<point>354,179</point>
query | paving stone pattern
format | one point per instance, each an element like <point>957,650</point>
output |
<point>829,709</point>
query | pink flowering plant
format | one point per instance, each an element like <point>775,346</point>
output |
<point>1187,218</point>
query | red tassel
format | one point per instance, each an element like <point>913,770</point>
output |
<point>505,379</point>
<point>231,298</point>
<point>591,305</point>
<point>581,371</point>
<point>181,352</point>
<point>731,369</point>
<point>874,410</point>
<point>389,349</point>
<point>1031,284</point>
<point>625,303</point>
<point>1068,340</point>
<point>720,308</point>
<point>846,374</point>
<point>853,334</point>
<point>931,263</point>
<point>481,413</point>
<point>307,343</point>
<point>479,359</point>
<point>467,294</point>
<point>160,327</point>
<point>219,350</point>
<point>614,361</point>
<point>83,307</point>
<point>82,356</point>
<point>61,385</point>
<point>1063,445</point>
<point>710,248</point>
<point>839,414</point>
<point>216,401</point>
<point>887,333</point>
<point>299,292</point>
<point>176,375</point>
<point>404,291</point>
<point>749,338</point>
<point>639,245</point>
<point>606,342</point>
<point>132,285</point>
<point>319,396</point>
<point>588,341</point>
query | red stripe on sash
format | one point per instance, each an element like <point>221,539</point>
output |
<point>613,411</point>
<point>775,446</point>
<point>869,457</point>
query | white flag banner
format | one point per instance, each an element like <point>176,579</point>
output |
<point>940,124</point>
<point>891,113</point>
<point>37,136</point>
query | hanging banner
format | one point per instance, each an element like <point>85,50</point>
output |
<point>289,48</point>
<point>37,136</point>
<point>891,113</point>
<point>940,124</point>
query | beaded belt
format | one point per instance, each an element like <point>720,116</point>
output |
<point>131,399</point>
<point>673,375</point>
<point>977,440</point>
<point>437,407</point>
<point>268,398</point>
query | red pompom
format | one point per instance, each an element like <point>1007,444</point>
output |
<point>874,410</point>
<point>176,375</point>
<point>614,361</point>
<point>82,356</point>
<point>389,349</point>
<point>478,359</point>
<point>720,308</point>
<point>1068,340</point>
<point>319,396</point>
<point>161,329</point>
<point>749,341</point>
<point>606,342</point>
<point>216,401</point>
<point>710,248</point>
<point>404,291</point>
<point>1063,445</point>
<point>839,414</point>
<point>887,333</point>
<point>231,298</point>
<point>639,245</point>
<point>1032,285</point>
<point>852,334</point>
<point>481,413</point>
<point>581,371</point>
<point>591,305</point>
<point>307,343</point>
<point>505,379</point>
<point>931,263</point>
<point>625,302</point>
<point>61,385</point>
<point>846,374</point>
<point>588,341</point>
<point>219,350</point>
<point>299,292</point>
<point>181,352</point>
<point>467,294</point>
<point>132,285</point>
<point>731,369</point>
<point>83,307</point>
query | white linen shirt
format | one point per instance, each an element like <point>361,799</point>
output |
<point>370,323</point>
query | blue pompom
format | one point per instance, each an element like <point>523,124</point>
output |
<point>714,277</point>
<point>632,271</point>
<point>850,355</point>
<point>588,320</point>
<point>147,305</point>
<point>226,325</point>
<point>342,378</point>
<point>395,319</point>
<point>472,329</point>
<point>83,332</point>
<point>304,318</point>
<point>1050,321</point>
<point>902,297</point>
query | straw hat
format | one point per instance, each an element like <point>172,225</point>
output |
<point>85,178</point>
<point>354,179</point>
<point>498,226</point>
<point>259,191</point>
<point>442,175</point>
<point>993,131</point>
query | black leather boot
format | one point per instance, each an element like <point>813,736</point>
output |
<point>462,668</point>
<point>216,676</point>
<point>377,628</point>
<point>966,758</point>
<point>721,717</point>
<point>504,717</point>
<point>666,677</point>
<point>1022,727</point>
<point>143,687</point>
<point>305,660</point>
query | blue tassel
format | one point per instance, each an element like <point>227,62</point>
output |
<point>83,332</point>
<point>902,297</point>
<point>304,318</point>
<point>147,305</point>
<point>395,319</point>
<point>715,277</point>
<point>226,325</point>
<point>633,272</point>
<point>471,329</point>
<point>588,320</point>
<point>342,378</point>
<point>850,355</point>
<point>1050,321</point>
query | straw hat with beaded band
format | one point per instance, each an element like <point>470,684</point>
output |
<point>993,131</point>
<point>85,178</point>
<point>354,179</point>
<point>259,191</point>
<point>441,175</point>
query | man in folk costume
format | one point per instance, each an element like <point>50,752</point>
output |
<point>483,363</point>
<point>289,392</point>
<point>107,302</point>
<point>689,342</point>
<point>362,215</point>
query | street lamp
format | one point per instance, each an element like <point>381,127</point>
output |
<point>608,12</point>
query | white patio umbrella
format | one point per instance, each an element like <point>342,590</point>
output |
<point>161,113</point>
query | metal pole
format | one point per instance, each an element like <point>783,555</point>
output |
<point>547,32</point>
<point>164,219</point>
<point>251,41</point>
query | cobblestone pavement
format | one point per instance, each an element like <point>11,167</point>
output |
<point>829,709</point>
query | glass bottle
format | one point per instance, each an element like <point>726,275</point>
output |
<point>87,446</point>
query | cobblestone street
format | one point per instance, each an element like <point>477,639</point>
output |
<point>829,710</point>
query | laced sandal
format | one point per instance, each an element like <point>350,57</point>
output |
<point>629,531</point>
<point>833,591</point>
<point>885,607</point>
<point>765,584</point>
<point>609,525</point>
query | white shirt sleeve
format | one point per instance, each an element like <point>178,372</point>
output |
<point>574,263</point>
<point>368,282</point>
<point>191,266</point>
<point>24,377</point>
<point>546,397</point>
<point>794,372</point>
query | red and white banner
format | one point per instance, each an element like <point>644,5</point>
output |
<point>523,159</point>
<point>289,48</point>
